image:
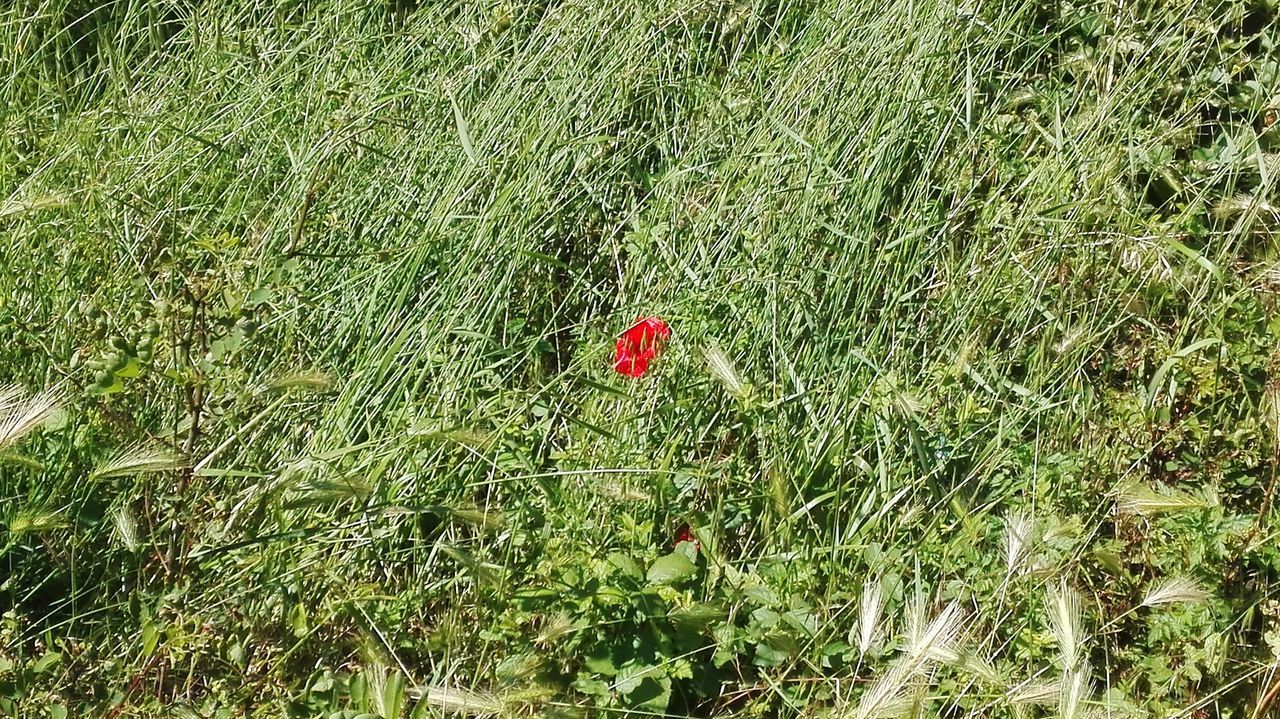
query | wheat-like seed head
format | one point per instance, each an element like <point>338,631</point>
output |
<point>553,629</point>
<point>9,396</point>
<point>928,644</point>
<point>461,702</point>
<point>308,380</point>
<point>1035,693</point>
<point>19,416</point>
<point>885,697</point>
<point>1243,203</point>
<point>1144,500</point>
<point>35,519</point>
<point>1020,535</point>
<point>869,613</point>
<point>1176,590</point>
<point>1077,690</point>
<point>138,460</point>
<point>938,641</point>
<point>126,528</point>
<point>1065,623</point>
<point>723,370</point>
<point>488,519</point>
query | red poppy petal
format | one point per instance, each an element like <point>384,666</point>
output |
<point>630,364</point>
<point>685,534</point>
<point>637,345</point>
<point>633,366</point>
<point>639,366</point>
<point>658,327</point>
<point>646,330</point>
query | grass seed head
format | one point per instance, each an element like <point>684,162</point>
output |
<point>1019,537</point>
<point>1065,622</point>
<point>138,460</point>
<point>1176,590</point>
<point>1141,499</point>
<point>19,415</point>
<point>723,370</point>
<point>869,610</point>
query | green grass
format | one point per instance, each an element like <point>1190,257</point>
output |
<point>971,398</point>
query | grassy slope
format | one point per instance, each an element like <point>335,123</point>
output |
<point>955,253</point>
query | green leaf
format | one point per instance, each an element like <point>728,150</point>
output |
<point>695,618</point>
<point>115,387</point>
<point>591,687</point>
<point>836,647</point>
<point>150,638</point>
<point>802,620</point>
<point>631,676</point>
<point>393,695</point>
<point>1158,378</point>
<point>221,348</point>
<point>651,696</point>
<point>298,620</point>
<point>1108,556</point>
<point>46,662</point>
<point>726,642</point>
<point>670,569</point>
<point>464,130</point>
<point>760,594</point>
<point>783,643</point>
<point>257,297</point>
<point>625,564</point>
<point>767,656</point>
<point>765,618</point>
<point>601,662</point>
<point>131,369</point>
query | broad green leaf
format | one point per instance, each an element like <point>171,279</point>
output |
<point>765,618</point>
<point>670,569</point>
<point>631,676</point>
<point>651,696</point>
<point>625,564</point>
<point>131,369</point>
<point>298,620</point>
<point>257,297</point>
<point>767,656</point>
<point>591,687</point>
<point>115,387</point>
<point>760,594</point>
<point>46,662</point>
<point>150,638</point>
<point>601,662</point>
<point>695,618</point>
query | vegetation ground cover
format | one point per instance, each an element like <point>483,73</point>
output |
<point>969,409</point>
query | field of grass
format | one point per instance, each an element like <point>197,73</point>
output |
<point>971,406</point>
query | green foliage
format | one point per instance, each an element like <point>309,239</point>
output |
<point>970,406</point>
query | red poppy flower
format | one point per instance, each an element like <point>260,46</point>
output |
<point>685,534</point>
<point>638,345</point>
